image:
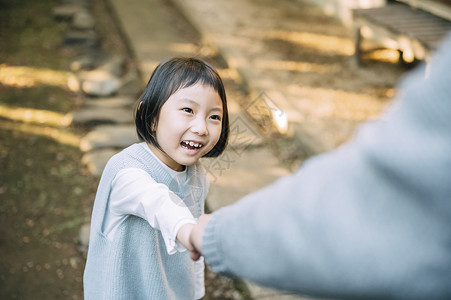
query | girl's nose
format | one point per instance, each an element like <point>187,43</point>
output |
<point>199,126</point>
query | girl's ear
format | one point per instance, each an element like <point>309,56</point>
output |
<point>153,126</point>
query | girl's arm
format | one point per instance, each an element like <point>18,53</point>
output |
<point>135,192</point>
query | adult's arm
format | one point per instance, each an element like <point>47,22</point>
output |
<point>369,220</point>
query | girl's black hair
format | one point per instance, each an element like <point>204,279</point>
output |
<point>169,77</point>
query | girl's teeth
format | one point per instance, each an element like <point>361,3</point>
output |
<point>192,144</point>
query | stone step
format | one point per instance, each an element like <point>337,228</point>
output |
<point>65,12</point>
<point>83,20</point>
<point>111,102</point>
<point>81,37</point>
<point>101,115</point>
<point>103,83</point>
<point>109,136</point>
<point>98,82</point>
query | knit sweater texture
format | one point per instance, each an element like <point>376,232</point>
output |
<point>134,264</point>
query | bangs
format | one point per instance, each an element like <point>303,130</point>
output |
<point>190,73</point>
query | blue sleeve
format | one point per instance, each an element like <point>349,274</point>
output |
<point>371,219</point>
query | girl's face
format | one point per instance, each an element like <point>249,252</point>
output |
<point>189,126</point>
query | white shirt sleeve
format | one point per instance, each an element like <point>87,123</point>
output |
<point>199,267</point>
<point>135,192</point>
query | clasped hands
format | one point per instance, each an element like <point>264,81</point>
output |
<point>190,236</point>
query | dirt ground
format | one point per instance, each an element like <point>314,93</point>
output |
<point>44,189</point>
<point>46,193</point>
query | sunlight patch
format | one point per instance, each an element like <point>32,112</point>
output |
<point>321,42</point>
<point>31,115</point>
<point>22,76</point>
<point>60,135</point>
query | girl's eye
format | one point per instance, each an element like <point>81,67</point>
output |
<point>188,110</point>
<point>216,117</point>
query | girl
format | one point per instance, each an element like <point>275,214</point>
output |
<point>151,193</point>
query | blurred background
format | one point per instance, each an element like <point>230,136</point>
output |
<point>300,77</point>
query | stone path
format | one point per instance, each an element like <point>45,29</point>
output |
<point>107,87</point>
<point>108,90</point>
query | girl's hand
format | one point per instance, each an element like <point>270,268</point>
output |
<point>183,236</point>
<point>196,236</point>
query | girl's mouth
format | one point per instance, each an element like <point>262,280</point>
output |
<point>190,145</point>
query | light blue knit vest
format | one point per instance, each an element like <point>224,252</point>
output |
<point>135,264</point>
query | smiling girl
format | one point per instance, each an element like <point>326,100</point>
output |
<point>151,193</point>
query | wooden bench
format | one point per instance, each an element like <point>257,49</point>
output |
<point>415,33</point>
